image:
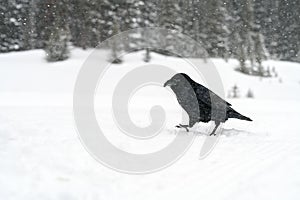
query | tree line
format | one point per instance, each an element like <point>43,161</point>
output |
<point>249,30</point>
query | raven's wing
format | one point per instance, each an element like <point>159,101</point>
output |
<point>207,96</point>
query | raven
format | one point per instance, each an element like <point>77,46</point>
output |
<point>200,103</point>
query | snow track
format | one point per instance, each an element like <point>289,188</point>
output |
<point>41,156</point>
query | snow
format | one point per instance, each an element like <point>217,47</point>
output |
<point>41,156</point>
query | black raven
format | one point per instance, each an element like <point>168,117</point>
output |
<point>200,103</point>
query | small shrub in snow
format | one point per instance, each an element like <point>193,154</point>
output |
<point>57,45</point>
<point>116,47</point>
<point>147,57</point>
<point>274,72</point>
<point>250,94</point>
<point>234,92</point>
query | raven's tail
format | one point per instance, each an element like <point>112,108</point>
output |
<point>233,114</point>
<point>242,117</point>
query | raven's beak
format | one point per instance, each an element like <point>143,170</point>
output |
<point>167,83</point>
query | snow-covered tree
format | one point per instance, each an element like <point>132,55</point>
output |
<point>79,24</point>
<point>234,92</point>
<point>147,57</point>
<point>29,35</point>
<point>217,31</point>
<point>169,18</point>
<point>4,29</point>
<point>57,45</point>
<point>11,24</point>
<point>57,33</point>
<point>250,94</point>
<point>246,42</point>
<point>289,41</point>
<point>116,46</point>
<point>249,30</point>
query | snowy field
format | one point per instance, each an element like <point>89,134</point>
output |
<point>41,156</point>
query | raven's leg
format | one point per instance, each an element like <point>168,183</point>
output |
<point>183,126</point>
<point>216,127</point>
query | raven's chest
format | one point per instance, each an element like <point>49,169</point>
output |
<point>187,98</point>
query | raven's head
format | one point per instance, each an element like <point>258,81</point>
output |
<point>177,79</point>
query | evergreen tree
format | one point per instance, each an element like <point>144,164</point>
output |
<point>57,45</point>
<point>29,32</point>
<point>272,28</point>
<point>170,19</point>
<point>217,31</point>
<point>79,24</point>
<point>234,92</point>
<point>115,47</point>
<point>11,24</point>
<point>147,57</point>
<point>250,94</point>
<point>4,29</point>
<point>247,41</point>
<point>148,17</point>
<point>193,25</point>
<point>57,33</point>
<point>289,38</point>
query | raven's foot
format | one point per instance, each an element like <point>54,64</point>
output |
<point>216,127</point>
<point>183,126</point>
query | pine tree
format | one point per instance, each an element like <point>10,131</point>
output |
<point>11,22</point>
<point>170,19</point>
<point>133,17</point>
<point>57,41</point>
<point>247,41</point>
<point>217,31</point>
<point>79,24</point>
<point>289,38</point>
<point>259,49</point>
<point>234,92</point>
<point>147,57</point>
<point>272,28</point>
<point>29,19</point>
<point>57,45</point>
<point>250,94</point>
<point>4,29</point>
<point>148,17</point>
<point>115,46</point>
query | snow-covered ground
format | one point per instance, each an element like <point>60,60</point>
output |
<point>41,156</point>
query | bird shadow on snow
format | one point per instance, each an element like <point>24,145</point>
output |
<point>234,132</point>
<point>201,132</point>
